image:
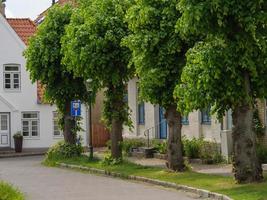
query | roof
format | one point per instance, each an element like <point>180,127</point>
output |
<point>41,16</point>
<point>24,27</point>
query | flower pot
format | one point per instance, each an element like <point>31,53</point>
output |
<point>18,144</point>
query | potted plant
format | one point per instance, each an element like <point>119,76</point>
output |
<point>18,140</point>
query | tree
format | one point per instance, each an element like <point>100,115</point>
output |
<point>159,57</point>
<point>44,64</point>
<point>92,47</point>
<point>227,69</point>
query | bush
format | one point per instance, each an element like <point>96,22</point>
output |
<point>108,160</point>
<point>210,153</point>
<point>64,150</point>
<point>160,145</point>
<point>128,144</point>
<point>262,153</point>
<point>7,192</point>
<point>192,147</point>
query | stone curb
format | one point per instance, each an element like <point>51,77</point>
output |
<point>202,193</point>
<point>14,155</point>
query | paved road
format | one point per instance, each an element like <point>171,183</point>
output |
<point>43,183</point>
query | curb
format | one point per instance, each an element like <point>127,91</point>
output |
<point>14,155</point>
<point>202,193</point>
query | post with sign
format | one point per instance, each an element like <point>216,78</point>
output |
<point>76,110</point>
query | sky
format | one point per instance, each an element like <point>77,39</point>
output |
<point>26,8</point>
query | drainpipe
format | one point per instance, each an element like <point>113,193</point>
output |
<point>53,2</point>
<point>3,7</point>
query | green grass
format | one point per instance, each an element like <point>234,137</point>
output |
<point>7,192</point>
<point>214,183</point>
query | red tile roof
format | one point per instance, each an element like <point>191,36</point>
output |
<point>24,27</point>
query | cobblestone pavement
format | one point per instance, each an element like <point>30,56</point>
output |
<point>43,183</point>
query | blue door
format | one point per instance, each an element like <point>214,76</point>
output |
<point>162,124</point>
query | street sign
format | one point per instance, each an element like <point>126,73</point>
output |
<point>76,108</point>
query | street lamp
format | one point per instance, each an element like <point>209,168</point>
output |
<point>88,85</point>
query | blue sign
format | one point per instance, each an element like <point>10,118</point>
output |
<point>76,108</point>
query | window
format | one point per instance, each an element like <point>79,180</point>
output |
<point>205,116</point>
<point>56,129</point>
<point>4,122</point>
<point>185,120</point>
<point>30,124</point>
<point>141,113</point>
<point>12,77</point>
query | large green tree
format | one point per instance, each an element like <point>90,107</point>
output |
<point>44,64</point>
<point>93,49</point>
<point>227,68</point>
<point>159,57</point>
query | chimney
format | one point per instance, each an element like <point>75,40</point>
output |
<point>2,8</point>
<point>53,2</point>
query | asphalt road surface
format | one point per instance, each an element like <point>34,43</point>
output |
<point>44,183</point>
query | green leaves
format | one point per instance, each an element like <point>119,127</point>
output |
<point>44,60</point>
<point>232,42</point>
<point>157,51</point>
<point>92,49</point>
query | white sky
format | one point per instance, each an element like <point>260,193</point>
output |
<point>26,8</point>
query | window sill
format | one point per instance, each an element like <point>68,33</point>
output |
<point>58,137</point>
<point>185,124</point>
<point>31,138</point>
<point>12,91</point>
<point>206,123</point>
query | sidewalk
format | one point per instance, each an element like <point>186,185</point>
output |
<point>219,169</point>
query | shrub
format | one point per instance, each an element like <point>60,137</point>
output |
<point>109,160</point>
<point>64,150</point>
<point>7,192</point>
<point>128,144</point>
<point>160,145</point>
<point>18,135</point>
<point>262,153</point>
<point>192,147</point>
<point>210,153</point>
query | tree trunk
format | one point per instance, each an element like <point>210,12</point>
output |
<point>69,125</point>
<point>246,165</point>
<point>175,155</point>
<point>116,139</point>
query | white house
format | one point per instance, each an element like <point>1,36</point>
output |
<point>149,120</point>
<point>20,105</point>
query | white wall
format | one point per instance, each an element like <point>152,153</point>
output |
<point>11,50</point>
<point>194,129</point>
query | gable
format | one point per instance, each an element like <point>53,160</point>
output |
<point>5,27</point>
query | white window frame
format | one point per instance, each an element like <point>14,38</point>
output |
<point>11,74</point>
<point>55,124</point>
<point>30,125</point>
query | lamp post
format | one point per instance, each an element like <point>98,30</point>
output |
<point>89,89</point>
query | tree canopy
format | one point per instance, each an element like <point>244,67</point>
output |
<point>44,61</point>
<point>92,48</point>
<point>158,52</point>
<point>226,69</point>
<point>232,40</point>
